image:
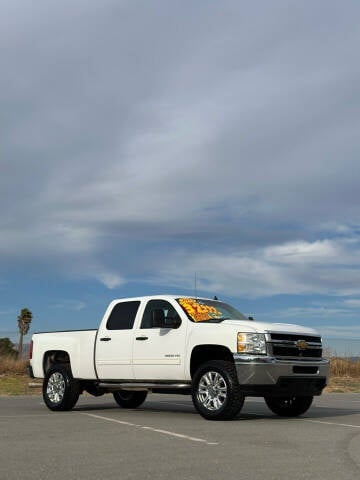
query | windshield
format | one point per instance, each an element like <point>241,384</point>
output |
<point>203,310</point>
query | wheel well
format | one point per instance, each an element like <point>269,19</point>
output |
<point>205,353</point>
<point>55,357</point>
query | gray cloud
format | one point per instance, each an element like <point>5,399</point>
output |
<point>328,267</point>
<point>210,134</point>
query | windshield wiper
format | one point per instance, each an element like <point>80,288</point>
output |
<point>219,320</point>
<point>214,320</point>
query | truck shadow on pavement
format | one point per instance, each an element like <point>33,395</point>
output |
<point>258,411</point>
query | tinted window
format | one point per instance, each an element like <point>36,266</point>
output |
<point>166,307</point>
<point>123,316</point>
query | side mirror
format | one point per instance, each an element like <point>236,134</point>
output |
<point>158,318</point>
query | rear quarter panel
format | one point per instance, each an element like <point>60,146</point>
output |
<point>78,344</point>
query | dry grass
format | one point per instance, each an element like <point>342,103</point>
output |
<point>16,385</point>
<point>344,367</point>
<point>343,385</point>
<point>12,366</point>
<point>344,375</point>
<point>13,377</point>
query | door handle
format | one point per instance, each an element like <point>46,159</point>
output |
<point>105,339</point>
<point>142,338</point>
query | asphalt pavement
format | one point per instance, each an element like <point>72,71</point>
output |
<point>165,438</point>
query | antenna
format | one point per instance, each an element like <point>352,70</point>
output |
<point>195,286</point>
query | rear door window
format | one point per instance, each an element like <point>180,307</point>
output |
<point>123,316</point>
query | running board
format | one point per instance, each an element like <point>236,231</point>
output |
<point>144,386</point>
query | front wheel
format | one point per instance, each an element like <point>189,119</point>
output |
<point>60,390</point>
<point>289,406</point>
<point>129,399</point>
<point>216,393</point>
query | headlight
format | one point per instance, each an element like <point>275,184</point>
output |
<point>251,343</point>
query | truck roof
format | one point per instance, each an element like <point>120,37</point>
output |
<point>164,295</point>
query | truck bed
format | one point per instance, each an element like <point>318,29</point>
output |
<point>78,343</point>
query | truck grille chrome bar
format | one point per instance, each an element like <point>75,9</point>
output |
<point>301,347</point>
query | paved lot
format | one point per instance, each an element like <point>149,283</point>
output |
<point>165,438</point>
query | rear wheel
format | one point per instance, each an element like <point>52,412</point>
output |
<point>129,399</point>
<point>60,390</point>
<point>216,393</point>
<point>289,406</point>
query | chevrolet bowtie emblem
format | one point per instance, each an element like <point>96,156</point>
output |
<point>302,345</point>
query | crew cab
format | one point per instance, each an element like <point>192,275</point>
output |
<point>177,344</point>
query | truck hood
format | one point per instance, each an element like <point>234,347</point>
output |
<point>264,327</point>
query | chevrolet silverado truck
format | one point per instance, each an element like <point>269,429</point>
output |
<point>173,344</point>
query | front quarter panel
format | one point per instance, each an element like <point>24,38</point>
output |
<point>210,334</point>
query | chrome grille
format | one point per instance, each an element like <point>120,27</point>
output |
<point>301,347</point>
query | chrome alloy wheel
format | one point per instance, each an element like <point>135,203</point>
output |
<point>212,391</point>
<point>56,387</point>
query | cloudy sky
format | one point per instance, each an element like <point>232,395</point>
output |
<point>141,142</point>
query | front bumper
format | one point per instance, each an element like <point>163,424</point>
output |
<point>266,375</point>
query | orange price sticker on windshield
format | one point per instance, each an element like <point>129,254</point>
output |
<point>197,311</point>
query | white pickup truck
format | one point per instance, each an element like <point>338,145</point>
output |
<point>173,344</point>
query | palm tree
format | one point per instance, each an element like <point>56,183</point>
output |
<point>24,320</point>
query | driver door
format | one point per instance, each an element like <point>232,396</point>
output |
<point>159,352</point>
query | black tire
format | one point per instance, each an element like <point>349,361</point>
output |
<point>60,390</point>
<point>289,406</point>
<point>215,391</point>
<point>129,399</point>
